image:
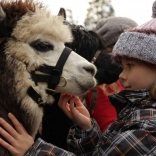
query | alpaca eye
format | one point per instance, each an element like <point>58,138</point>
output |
<point>41,46</point>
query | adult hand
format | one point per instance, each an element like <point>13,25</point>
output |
<point>75,110</point>
<point>19,140</point>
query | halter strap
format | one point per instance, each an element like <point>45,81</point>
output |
<point>94,90</point>
<point>95,56</point>
<point>35,96</point>
<point>58,68</point>
<point>53,77</point>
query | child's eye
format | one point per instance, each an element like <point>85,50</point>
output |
<point>129,64</point>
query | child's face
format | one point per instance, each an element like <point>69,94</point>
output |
<point>137,76</point>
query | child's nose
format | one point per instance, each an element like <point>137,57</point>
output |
<point>122,76</point>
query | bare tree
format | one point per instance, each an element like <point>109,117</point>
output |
<point>69,17</point>
<point>98,9</point>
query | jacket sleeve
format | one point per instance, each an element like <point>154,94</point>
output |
<point>135,141</point>
<point>86,146</point>
<point>83,142</point>
<point>79,141</point>
<point>42,148</point>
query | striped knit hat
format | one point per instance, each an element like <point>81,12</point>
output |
<point>138,43</point>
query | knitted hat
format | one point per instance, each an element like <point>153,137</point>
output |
<point>139,43</point>
<point>111,28</point>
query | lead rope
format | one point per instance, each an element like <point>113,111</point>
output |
<point>94,90</point>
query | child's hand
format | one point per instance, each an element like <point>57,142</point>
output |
<point>75,110</point>
<point>20,141</point>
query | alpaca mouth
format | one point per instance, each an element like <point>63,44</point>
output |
<point>84,88</point>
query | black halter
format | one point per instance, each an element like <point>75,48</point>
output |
<point>52,77</point>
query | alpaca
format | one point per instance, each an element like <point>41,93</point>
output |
<point>55,123</point>
<point>31,45</point>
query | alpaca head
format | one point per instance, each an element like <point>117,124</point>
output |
<point>32,38</point>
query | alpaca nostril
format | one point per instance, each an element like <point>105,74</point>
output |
<point>90,69</point>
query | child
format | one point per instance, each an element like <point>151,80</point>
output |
<point>97,100</point>
<point>134,131</point>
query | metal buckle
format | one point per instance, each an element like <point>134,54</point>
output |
<point>65,82</point>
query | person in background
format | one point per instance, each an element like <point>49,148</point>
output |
<point>134,130</point>
<point>97,100</point>
<point>111,28</point>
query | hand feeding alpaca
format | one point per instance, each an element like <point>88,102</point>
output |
<point>31,50</point>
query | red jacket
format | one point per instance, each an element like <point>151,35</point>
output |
<point>104,113</point>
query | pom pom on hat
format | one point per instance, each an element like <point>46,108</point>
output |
<point>154,9</point>
<point>150,26</point>
<point>111,28</point>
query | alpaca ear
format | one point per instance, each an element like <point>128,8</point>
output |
<point>62,12</point>
<point>3,23</point>
<point>29,12</point>
<point>2,15</point>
